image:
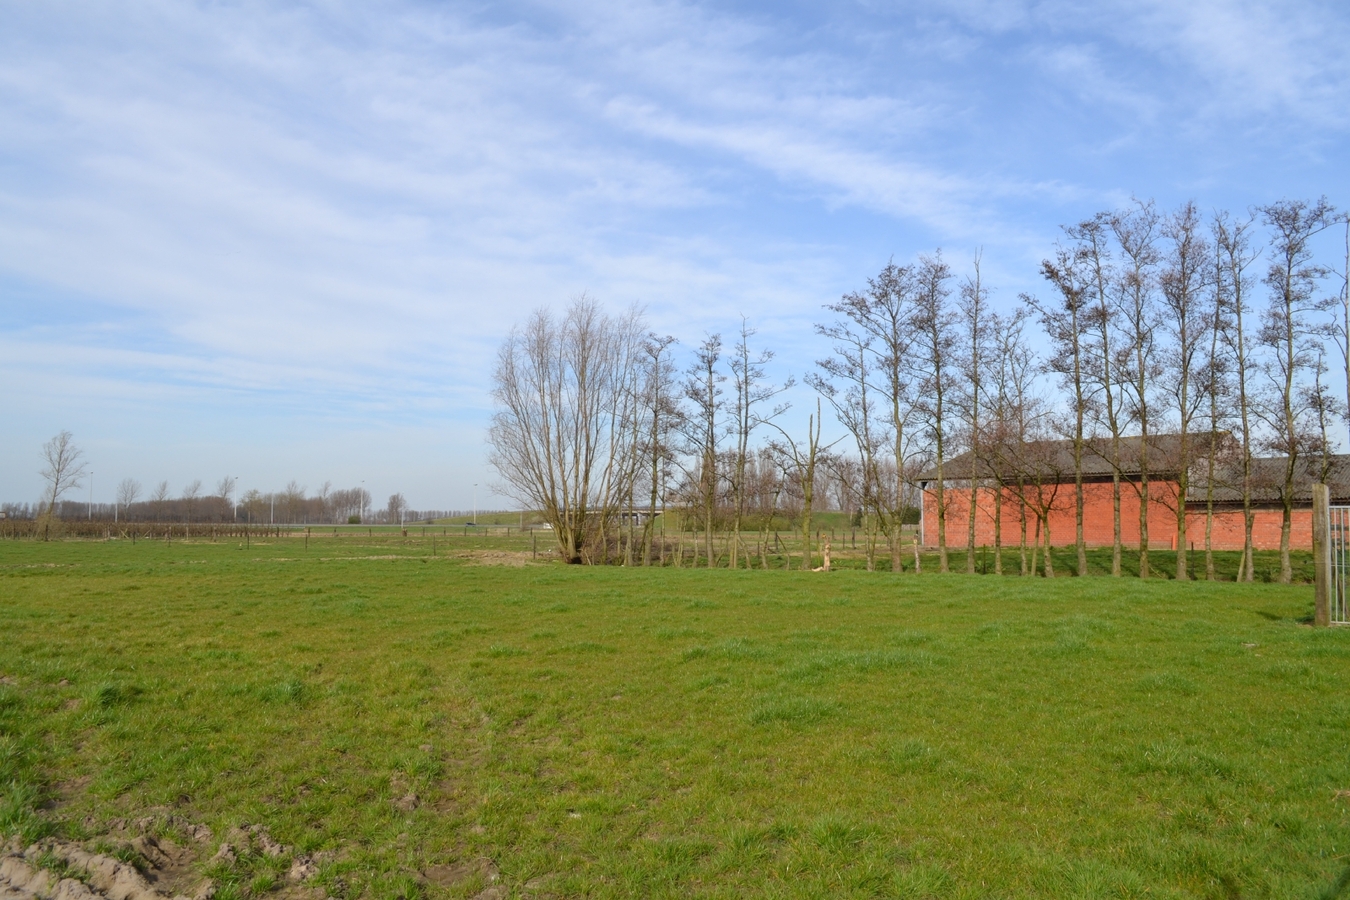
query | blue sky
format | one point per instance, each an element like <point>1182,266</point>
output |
<point>283,241</point>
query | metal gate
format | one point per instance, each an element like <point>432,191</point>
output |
<point>1338,568</point>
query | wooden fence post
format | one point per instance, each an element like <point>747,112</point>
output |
<point>1321,555</point>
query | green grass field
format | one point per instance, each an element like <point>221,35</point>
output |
<point>612,732</point>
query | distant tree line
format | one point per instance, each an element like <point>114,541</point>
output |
<point>1226,333</point>
<point>194,504</point>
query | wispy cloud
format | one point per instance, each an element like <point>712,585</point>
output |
<point>341,208</point>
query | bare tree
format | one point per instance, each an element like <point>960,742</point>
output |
<point>396,508</point>
<point>1216,384</point>
<point>1136,231</point>
<point>63,471</point>
<point>747,377</point>
<point>1103,353</point>
<point>565,392</point>
<point>159,498</point>
<point>128,490</point>
<point>1233,240</point>
<point>1012,365</point>
<point>1065,323</point>
<point>848,384</point>
<point>293,501</point>
<point>1292,332</point>
<point>975,321</point>
<point>662,413</point>
<point>1324,408</point>
<point>224,491</point>
<point>1342,328</point>
<point>935,342</point>
<point>881,315</point>
<point>704,430</point>
<point>191,494</point>
<point>254,504</point>
<point>1184,281</point>
<point>801,463</point>
<point>325,498</point>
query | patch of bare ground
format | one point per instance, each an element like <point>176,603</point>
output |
<point>138,860</point>
<point>480,873</point>
<point>496,557</point>
<point>67,792</point>
<point>63,870</point>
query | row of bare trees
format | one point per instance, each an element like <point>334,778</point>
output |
<point>65,469</point>
<point>1202,327</point>
<point>1179,351</point>
<point>596,428</point>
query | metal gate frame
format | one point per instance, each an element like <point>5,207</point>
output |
<point>1338,564</point>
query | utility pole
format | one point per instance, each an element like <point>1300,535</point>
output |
<point>91,496</point>
<point>475,503</point>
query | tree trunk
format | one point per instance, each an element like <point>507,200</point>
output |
<point>998,529</point>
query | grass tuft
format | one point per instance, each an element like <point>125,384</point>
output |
<point>110,694</point>
<point>792,711</point>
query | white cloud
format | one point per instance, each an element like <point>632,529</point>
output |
<point>343,207</point>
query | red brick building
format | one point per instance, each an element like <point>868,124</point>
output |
<point>1037,479</point>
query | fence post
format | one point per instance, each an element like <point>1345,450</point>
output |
<point>1321,552</point>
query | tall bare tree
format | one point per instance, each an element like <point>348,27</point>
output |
<point>1342,328</point>
<point>1232,237</point>
<point>253,504</point>
<point>564,390</point>
<point>1216,384</point>
<point>159,498</point>
<point>1012,368</point>
<point>704,430</point>
<point>661,412</point>
<point>396,508</point>
<point>1065,323</point>
<point>63,470</point>
<point>882,331</point>
<point>935,349</point>
<point>1293,331</point>
<point>325,498</point>
<point>225,490</point>
<point>1103,352</point>
<point>975,320</point>
<point>1136,231</point>
<point>800,464</point>
<point>191,494</point>
<point>128,490</point>
<point>847,381</point>
<point>1185,283</point>
<point>752,392</point>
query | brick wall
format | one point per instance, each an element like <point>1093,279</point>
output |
<point>1097,519</point>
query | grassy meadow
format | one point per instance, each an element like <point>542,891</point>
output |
<point>619,732</point>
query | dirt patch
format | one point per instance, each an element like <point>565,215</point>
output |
<point>454,875</point>
<point>61,870</point>
<point>496,557</point>
<point>172,868</point>
<point>148,866</point>
<point>68,792</point>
